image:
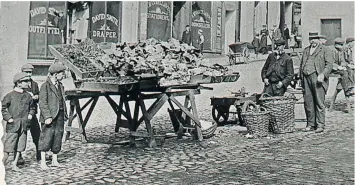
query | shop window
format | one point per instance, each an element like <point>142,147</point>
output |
<point>159,20</point>
<point>47,27</point>
<point>105,21</point>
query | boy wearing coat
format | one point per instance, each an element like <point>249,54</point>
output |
<point>35,129</point>
<point>53,112</point>
<point>17,111</point>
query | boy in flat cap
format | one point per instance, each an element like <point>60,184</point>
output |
<point>53,112</point>
<point>316,65</point>
<point>17,110</point>
<point>201,40</point>
<point>278,71</point>
<point>35,129</point>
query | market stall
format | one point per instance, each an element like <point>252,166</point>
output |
<point>138,72</point>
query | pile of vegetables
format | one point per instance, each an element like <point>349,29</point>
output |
<point>175,61</point>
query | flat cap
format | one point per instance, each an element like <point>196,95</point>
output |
<point>339,41</point>
<point>56,67</point>
<point>27,67</point>
<point>21,76</point>
<point>280,42</point>
<point>350,39</point>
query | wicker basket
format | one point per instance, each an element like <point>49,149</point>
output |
<point>282,114</point>
<point>257,120</point>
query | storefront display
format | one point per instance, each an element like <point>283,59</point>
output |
<point>201,19</point>
<point>105,21</point>
<point>47,27</point>
<point>159,20</point>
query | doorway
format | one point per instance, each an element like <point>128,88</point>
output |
<point>229,29</point>
<point>331,28</point>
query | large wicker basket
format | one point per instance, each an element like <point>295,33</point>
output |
<point>256,119</point>
<point>282,114</point>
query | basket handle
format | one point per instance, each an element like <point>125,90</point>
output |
<point>290,96</point>
<point>262,109</point>
<point>264,95</point>
<point>247,104</point>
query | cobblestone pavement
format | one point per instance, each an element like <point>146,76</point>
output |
<point>227,158</point>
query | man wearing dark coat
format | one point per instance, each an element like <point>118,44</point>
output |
<point>316,65</point>
<point>187,36</point>
<point>286,36</point>
<point>278,71</point>
<point>263,41</point>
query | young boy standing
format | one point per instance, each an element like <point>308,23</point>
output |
<point>53,112</point>
<point>35,129</point>
<point>17,111</point>
<point>201,40</point>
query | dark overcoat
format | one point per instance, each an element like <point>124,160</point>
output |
<point>283,68</point>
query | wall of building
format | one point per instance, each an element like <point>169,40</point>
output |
<point>247,21</point>
<point>260,16</point>
<point>311,17</point>
<point>288,15</point>
<point>14,40</point>
<point>130,19</point>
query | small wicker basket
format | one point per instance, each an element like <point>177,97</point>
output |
<point>256,120</point>
<point>282,114</point>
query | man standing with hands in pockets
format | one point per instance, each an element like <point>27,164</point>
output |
<point>316,65</point>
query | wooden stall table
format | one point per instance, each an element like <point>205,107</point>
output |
<point>132,122</point>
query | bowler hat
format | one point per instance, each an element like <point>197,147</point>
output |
<point>56,67</point>
<point>339,41</point>
<point>315,35</point>
<point>280,42</point>
<point>21,76</point>
<point>350,39</point>
<point>27,67</point>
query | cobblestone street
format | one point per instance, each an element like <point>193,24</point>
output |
<point>227,158</point>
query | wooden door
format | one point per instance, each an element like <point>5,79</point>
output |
<point>331,28</point>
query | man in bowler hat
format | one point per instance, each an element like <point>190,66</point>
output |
<point>316,65</point>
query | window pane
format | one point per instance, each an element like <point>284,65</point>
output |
<point>98,21</point>
<point>113,22</point>
<point>56,23</point>
<point>39,10</point>
<point>201,19</point>
<point>159,20</point>
<point>37,34</point>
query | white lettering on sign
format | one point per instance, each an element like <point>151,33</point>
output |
<point>160,3</point>
<point>38,11</point>
<point>157,16</point>
<point>43,10</point>
<point>109,34</point>
<point>41,29</point>
<point>101,16</point>
<point>200,25</point>
<point>199,12</point>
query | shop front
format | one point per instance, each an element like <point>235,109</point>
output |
<point>163,20</point>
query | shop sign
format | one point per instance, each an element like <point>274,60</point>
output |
<point>219,21</point>
<point>104,25</point>
<point>45,27</point>
<point>201,19</point>
<point>159,20</point>
<point>39,26</point>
